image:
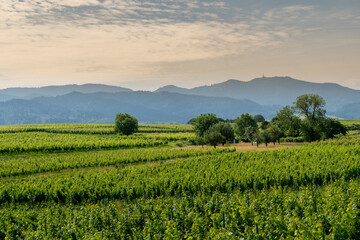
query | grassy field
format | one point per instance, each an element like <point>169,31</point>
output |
<point>348,122</point>
<point>81,181</point>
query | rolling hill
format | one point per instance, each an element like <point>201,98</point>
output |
<point>274,91</point>
<point>147,107</point>
<point>52,91</point>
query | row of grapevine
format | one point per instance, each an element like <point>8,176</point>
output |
<point>38,163</point>
<point>93,128</point>
<point>47,142</point>
<point>329,212</point>
<point>312,164</point>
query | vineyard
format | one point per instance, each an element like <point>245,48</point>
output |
<point>81,181</point>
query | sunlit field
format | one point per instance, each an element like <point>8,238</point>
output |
<point>82,181</point>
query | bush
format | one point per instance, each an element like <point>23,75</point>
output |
<point>126,124</point>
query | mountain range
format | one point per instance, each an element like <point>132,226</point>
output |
<point>274,91</point>
<point>52,91</point>
<point>98,103</point>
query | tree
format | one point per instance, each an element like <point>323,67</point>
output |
<point>264,125</point>
<point>258,138</point>
<point>213,137</point>
<point>311,130</point>
<point>203,122</point>
<point>250,134</point>
<point>225,129</point>
<point>266,136</point>
<point>288,122</point>
<point>242,122</point>
<point>331,127</point>
<point>125,124</point>
<point>311,106</point>
<point>259,118</point>
<point>275,133</point>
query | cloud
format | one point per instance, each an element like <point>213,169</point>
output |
<point>89,34</point>
<point>129,38</point>
<point>288,13</point>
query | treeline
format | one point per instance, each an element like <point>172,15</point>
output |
<point>306,120</point>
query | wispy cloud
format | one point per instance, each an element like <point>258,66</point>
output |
<point>126,38</point>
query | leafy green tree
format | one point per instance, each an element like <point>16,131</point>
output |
<point>125,124</point>
<point>242,122</point>
<point>199,141</point>
<point>311,106</point>
<point>213,137</point>
<point>259,118</point>
<point>316,126</point>
<point>251,133</point>
<point>203,122</point>
<point>288,122</point>
<point>311,130</point>
<point>264,125</point>
<point>226,130</point>
<point>331,127</point>
<point>258,138</point>
<point>275,133</point>
<point>266,136</point>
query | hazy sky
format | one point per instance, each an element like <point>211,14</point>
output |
<point>144,44</point>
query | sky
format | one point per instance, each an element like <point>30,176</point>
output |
<point>146,44</point>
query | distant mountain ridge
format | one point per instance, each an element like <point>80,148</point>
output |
<point>98,103</point>
<point>147,107</point>
<point>52,91</point>
<point>274,91</point>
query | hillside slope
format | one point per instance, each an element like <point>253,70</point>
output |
<point>274,91</point>
<point>148,107</point>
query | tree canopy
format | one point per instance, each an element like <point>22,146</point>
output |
<point>242,122</point>
<point>213,137</point>
<point>311,106</point>
<point>204,122</point>
<point>287,121</point>
<point>225,129</point>
<point>259,118</point>
<point>125,124</point>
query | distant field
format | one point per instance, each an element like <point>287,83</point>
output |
<point>80,181</point>
<point>349,122</point>
<point>93,128</point>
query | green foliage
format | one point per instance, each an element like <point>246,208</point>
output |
<point>321,129</point>
<point>251,133</point>
<point>126,124</point>
<point>266,136</point>
<point>11,165</point>
<point>292,139</point>
<point>288,122</point>
<point>47,142</point>
<point>331,127</point>
<point>213,137</point>
<point>203,122</point>
<point>311,106</point>
<point>225,129</point>
<point>242,122</point>
<point>264,125</point>
<point>309,192</point>
<point>103,129</point>
<point>259,118</point>
<point>275,133</point>
<point>314,126</point>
